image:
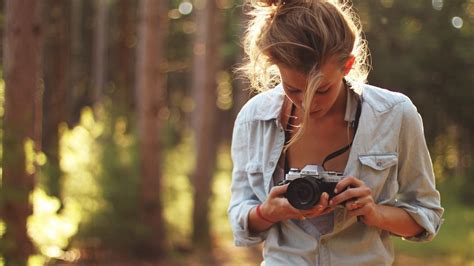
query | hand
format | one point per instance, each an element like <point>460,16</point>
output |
<point>358,200</point>
<point>277,208</point>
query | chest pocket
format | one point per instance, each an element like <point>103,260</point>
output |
<point>379,173</point>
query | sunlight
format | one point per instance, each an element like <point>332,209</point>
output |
<point>2,228</point>
<point>49,230</point>
<point>80,163</point>
<point>177,188</point>
<point>36,260</point>
<point>2,97</point>
<point>221,193</point>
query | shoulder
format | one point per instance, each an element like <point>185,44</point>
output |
<point>263,106</point>
<point>383,100</point>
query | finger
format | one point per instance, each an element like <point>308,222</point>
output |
<point>278,191</point>
<point>351,193</point>
<point>323,201</point>
<point>347,181</point>
<point>319,212</point>
<point>356,203</point>
<point>327,210</point>
<point>322,204</point>
<point>358,212</point>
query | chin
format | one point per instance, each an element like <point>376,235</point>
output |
<point>317,113</point>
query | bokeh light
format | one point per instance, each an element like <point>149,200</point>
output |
<point>437,4</point>
<point>185,8</point>
<point>457,22</point>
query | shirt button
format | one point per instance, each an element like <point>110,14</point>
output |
<point>379,163</point>
<point>271,164</point>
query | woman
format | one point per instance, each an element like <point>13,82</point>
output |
<point>322,113</point>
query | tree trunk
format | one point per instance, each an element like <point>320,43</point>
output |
<point>124,95</point>
<point>56,82</point>
<point>99,58</point>
<point>21,118</point>
<point>81,35</point>
<point>205,66</point>
<point>150,88</point>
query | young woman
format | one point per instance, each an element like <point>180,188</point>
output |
<point>321,113</point>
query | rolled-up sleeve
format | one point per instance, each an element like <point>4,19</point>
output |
<point>242,197</point>
<point>417,190</point>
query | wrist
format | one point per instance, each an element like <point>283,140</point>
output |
<point>379,218</point>
<point>262,216</point>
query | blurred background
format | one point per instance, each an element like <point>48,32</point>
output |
<point>117,115</point>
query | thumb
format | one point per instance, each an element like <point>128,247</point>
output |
<point>278,191</point>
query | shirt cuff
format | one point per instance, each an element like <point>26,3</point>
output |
<point>426,218</point>
<point>242,235</point>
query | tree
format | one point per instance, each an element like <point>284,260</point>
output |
<point>123,95</point>
<point>150,86</point>
<point>205,66</point>
<point>22,120</point>
<point>99,58</point>
<point>56,63</point>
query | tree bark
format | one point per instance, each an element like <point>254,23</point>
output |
<point>150,86</point>
<point>99,58</point>
<point>81,34</point>
<point>124,95</point>
<point>56,82</point>
<point>21,123</point>
<point>205,65</point>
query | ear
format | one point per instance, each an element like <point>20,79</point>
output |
<point>348,65</point>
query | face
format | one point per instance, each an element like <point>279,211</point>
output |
<point>294,84</point>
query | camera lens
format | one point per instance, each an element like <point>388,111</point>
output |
<point>303,193</point>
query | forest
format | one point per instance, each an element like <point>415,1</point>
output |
<point>119,151</point>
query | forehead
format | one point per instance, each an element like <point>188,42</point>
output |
<point>291,77</point>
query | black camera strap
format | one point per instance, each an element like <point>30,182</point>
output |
<point>355,125</point>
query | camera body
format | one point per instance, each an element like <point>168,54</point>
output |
<point>306,185</point>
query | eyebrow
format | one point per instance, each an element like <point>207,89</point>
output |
<point>295,88</point>
<point>290,87</point>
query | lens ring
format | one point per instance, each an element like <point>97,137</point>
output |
<point>303,193</point>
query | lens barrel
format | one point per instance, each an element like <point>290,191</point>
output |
<point>304,193</point>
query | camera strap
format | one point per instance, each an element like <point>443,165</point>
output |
<point>355,125</point>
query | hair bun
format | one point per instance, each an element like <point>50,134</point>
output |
<point>271,2</point>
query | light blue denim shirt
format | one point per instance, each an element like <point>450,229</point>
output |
<point>389,154</point>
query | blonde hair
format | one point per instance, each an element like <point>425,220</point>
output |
<point>301,35</point>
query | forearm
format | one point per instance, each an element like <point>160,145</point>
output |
<point>256,223</point>
<point>397,221</point>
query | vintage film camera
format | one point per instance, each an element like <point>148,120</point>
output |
<point>306,185</point>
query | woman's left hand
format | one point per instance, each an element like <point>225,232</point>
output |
<point>357,199</point>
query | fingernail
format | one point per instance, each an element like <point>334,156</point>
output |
<point>335,190</point>
<point>320,207</point>
<point>331,202</point>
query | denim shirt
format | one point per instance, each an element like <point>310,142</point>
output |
<point>389,154</point>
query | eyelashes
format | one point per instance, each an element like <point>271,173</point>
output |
<point>319,91</point>
<point>323,91</point>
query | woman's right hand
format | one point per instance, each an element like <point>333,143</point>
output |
<point>277,208</point>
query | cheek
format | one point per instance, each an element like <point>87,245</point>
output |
<point>296,99</point>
